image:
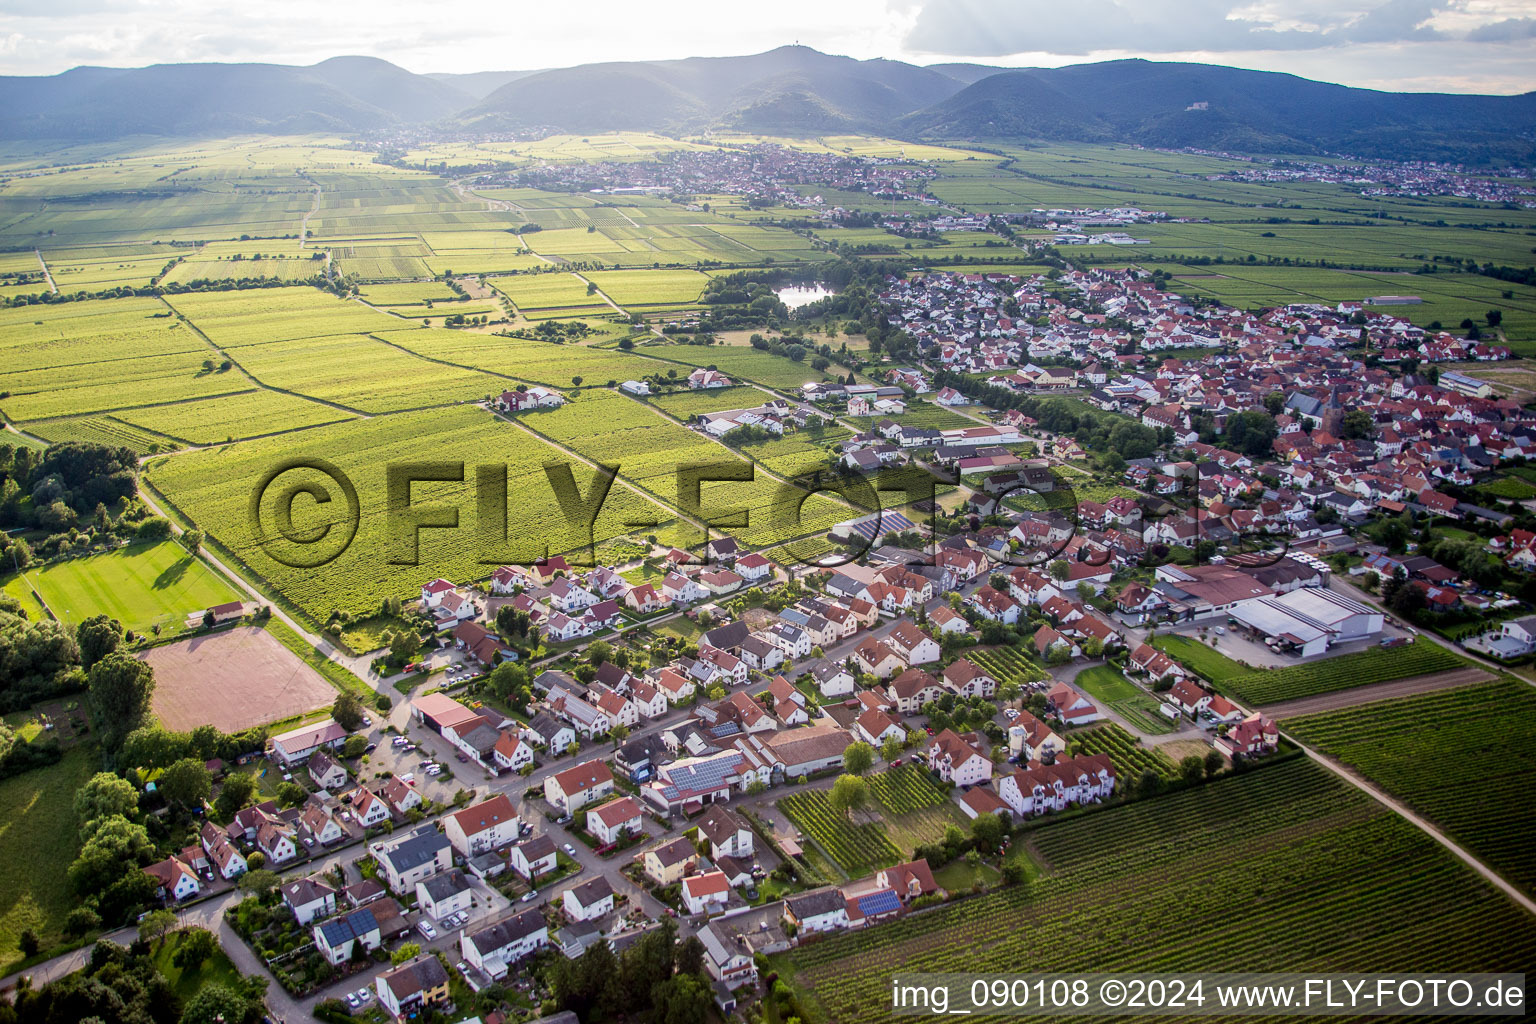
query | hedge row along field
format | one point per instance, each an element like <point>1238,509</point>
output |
<point>214,488</point>
<point>857,849</point>
<point>1125,752</point>
<point>1464,757</point>
<point>1154,886</point>
<point>1374,665</point>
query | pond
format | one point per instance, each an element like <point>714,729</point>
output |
<point>799,295</point>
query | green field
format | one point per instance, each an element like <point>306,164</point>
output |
<point>38,839</point>
<point>1124,751</point>
<point>1465,758</point>
<point>1105,684</point>
<point>1328,879</point>
<point>1199,658</point>
<point>857,848</point>
<point>140,586</point>
<point>1373,665</point>
<point>214,486</point>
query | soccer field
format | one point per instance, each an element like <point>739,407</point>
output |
<point>140,586</point>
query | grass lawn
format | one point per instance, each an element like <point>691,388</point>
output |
<point>1199,658</point>
<point>217,968</point>
<point>957,876</point>
<point>1107,684</point>
<point>38,840</point>
<point>140,586</point>
<point>365,635</point>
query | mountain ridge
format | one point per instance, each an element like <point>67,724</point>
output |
<point>790,90</point>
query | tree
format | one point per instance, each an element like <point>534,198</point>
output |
<point>1059,569</point>
<point>186,783</point>
<point>1358,423</point>
<point>598,651</point>
<point>119,689</point>
<point>112,846</point>
<point>848,794</point>
<point>890,750</point>
<point>152,746</point>
<point>1214,762</point>
<point>348,710</point>
<point>193,539</point>
<point>291,794</point>
<point>81,921</point>
<point>509,682</point>
<point>1150,784</point>
<point>406,952</point>
<point>1192,768</point>
<point>28,942</point>
<point>258,881</point>
<point>988,831</point>
<point>98,636</point>
<point>684,999</point>
<point>155,924</point>
<point>1274,402</point>
<point>215,1003</point>
<point>105,795</point>
<point>858,758</point>
<point>403,646</point>
<point>197,946</point>
<point>234,793</point>
<point>1495,317</point>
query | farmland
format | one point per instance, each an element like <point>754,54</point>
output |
<point>1374,665</point>
<point>534,294</point>
<point>1146,886</point>
<point>1105,684</point>
<point>686,404</point>
<point>362,373</point>
<point>140,586</point>
<point>1007,664</point>
<point>857,848</point>
<point>523,359</point>
<point>1465,758</point>
<point>650,450</point>
<point>231,417</point>
<point>213,488</point>
<point>1125,751</point>
<point>772,371</point>
<point>234,320</point>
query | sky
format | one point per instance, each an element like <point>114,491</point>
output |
<point>1405,45</point>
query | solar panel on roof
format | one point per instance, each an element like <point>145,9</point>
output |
<point>882,902</point>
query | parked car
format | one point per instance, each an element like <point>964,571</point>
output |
<point>427,931</point>
<point>531,894</point>
<point>461,967</point>
<point>364,994</point>
<point>569,850</point>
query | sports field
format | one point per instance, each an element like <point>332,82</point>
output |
<point>140,586</point>
<point>234,680</point>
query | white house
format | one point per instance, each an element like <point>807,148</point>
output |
<point>615,819</point>
<point>589,900</point>
<point>577,787</point>
<point>706,893</point>
<point>492,950</point>
<point>488,825</point>
<point>957,761</point>
<point>444,894</point>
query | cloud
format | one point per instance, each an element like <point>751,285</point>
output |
<point>1509,30</point>
<point>996,28</point>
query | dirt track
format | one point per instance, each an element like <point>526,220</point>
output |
<point>1377,691</point>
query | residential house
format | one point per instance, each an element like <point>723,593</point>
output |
<point>488,825</point>
<point>615,819</point>
<point>494,949</point>
<point>589,900</point>
<point>575,788</point>
<point>414,986</point>
<point>444,894</point>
